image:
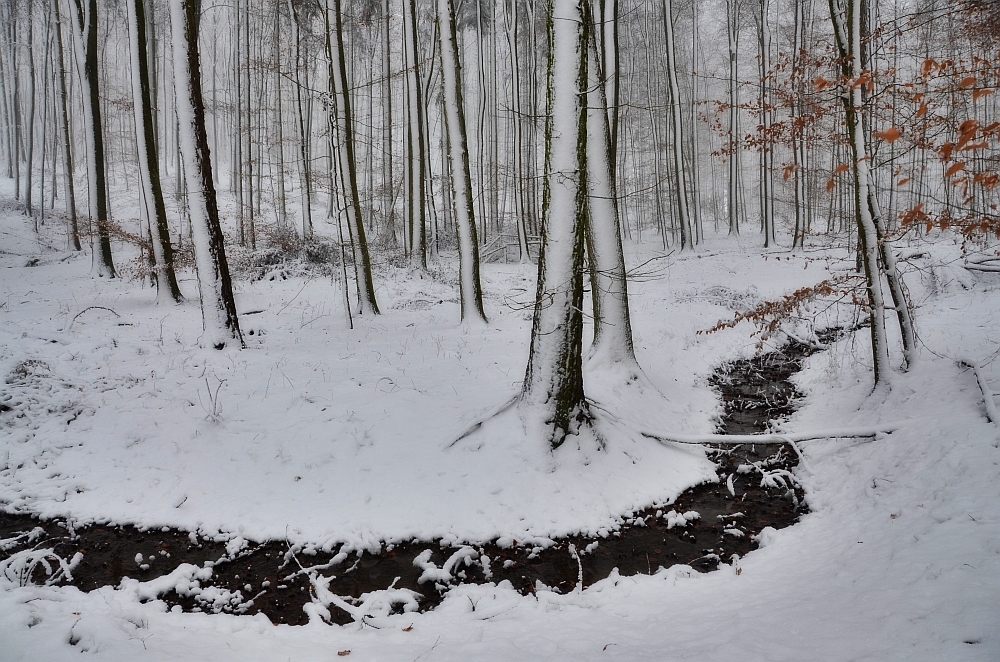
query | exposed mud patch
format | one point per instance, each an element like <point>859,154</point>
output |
<point>705,526</point>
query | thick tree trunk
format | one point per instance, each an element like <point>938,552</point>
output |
<point>767,147</point>
<point>30,156</point>
<point>552,401</point>
<point>388,185</point>
<point>218,306</point>
<point>733,196</point>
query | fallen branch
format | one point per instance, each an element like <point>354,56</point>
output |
<point>773,439</point>
<point>972,266</point>
<point>92,308</point>
<point>991,408</point>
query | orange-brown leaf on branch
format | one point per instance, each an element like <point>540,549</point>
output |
<point>987,180</point>
<point>966,132</point>
<point>768,315</point>
<point>787,171</point>
<point>922,110</point>
<point>903,181</point>
<point>863,79</point>
<point>945,151</point>
<point>978,94</point>
<point>821,83</point>
<point>928,66</point>
<point>830,185</point>
<point>955,167</point>
<point>841,167</point>
<point>990,129</point>
<point>914,215</point>
<point>967,126</point>
<point>968,81</point>
<point>891,134</point>
<point>978,145</point>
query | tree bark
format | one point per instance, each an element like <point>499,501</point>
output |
<point>612,323</point>
<point>87,48</point>
<point>149,169</point>
<point>552,400</point>
<point>218,306</point>
<point>470,290</point>
<point>341,125</point>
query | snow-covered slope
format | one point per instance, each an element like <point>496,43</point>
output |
<point>331,436</point>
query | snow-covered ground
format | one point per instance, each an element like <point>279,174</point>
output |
<point>343,438</point>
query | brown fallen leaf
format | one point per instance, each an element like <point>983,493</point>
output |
<point>408,627</point>
<point>344,652</point>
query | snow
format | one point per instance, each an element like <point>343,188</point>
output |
<point>337,437</point>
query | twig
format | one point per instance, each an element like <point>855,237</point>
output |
<point>478,424</point>
<point>91,308</point>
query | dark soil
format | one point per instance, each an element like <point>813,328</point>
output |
<point>754,392</point>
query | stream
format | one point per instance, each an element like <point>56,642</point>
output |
<point>705,526</point>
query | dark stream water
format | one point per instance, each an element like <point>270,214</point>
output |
<point>753,391</point>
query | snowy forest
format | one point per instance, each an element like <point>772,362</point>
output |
<point>499,329</point>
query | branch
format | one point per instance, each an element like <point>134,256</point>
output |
<point>991,408</point>
<point>773,439</point>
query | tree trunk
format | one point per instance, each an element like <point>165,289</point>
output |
<point>552,400</point>
<point>305,154</point>
<point>677,151</point>
<point>470,290</point>
<point>416,143</point>
<point>341,125</point>
<point>612,324</point>
<point>733,197</point>
<point>218,307</point>
<point>149,170</point>
<point>847,31</point>
<point>87,49</point>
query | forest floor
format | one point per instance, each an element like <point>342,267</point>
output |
<point>338,441</point>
